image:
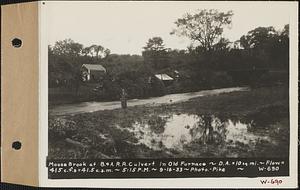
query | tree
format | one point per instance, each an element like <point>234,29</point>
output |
<point>222,45</point>
<point>283,49</point>
<point>98,51</point>
<point>67,47</point>
<point>258,37</point>
<point>269,45</point>
<point>155,53</point>
<point>205,27</point>
<point>286,30</point>
<point>155,44</point>
<point>106,53</point>
<point>86,51</point>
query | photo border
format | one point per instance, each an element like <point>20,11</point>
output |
<point>224,182</point>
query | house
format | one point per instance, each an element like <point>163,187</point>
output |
<point>166,79</point>
<point>92,72</point>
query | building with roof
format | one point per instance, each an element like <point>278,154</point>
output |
<point>92,72</point>
<point>166,79</point>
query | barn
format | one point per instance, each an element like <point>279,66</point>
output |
<point>92,72</point>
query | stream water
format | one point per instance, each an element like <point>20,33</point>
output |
<point>185,134</point>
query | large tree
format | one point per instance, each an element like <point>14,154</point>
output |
<point>99,51</point>
<point>67,47</point>
<point>268,44</point>
<point>258,37</point>
<point>96,50</point>
<point>155,53</point>
<point>86,51</point>
<point>205,27</point>
<point>155,44</point>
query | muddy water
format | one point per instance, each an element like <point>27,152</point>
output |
<point>186,134</point>
<point>85,107</point>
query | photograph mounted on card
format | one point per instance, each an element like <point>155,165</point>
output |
<point>167,94</point>
<point>141,90</point>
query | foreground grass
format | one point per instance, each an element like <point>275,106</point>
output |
<point>101,134</point>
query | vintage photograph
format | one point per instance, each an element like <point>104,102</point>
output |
<point>167,80</point>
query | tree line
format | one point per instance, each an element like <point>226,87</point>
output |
<point>202,65</point>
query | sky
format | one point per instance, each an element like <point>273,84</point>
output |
<point>125,27</point>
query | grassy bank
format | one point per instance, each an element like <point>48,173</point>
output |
<point>109,134</point>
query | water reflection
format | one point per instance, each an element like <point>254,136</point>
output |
<point>178,131</point>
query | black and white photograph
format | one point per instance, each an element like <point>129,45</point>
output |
<point>161,80</point>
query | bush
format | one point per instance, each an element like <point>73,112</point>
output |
<point>60,128</point>
<point>273,78</point>
<point>220,80</point>
<point>182,86</point>
<point>157,88</point>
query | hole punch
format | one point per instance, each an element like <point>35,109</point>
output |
<point>16,42</point>
<point>17,145</point>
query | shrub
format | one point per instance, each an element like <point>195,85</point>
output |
<point>60,128</point>
<point>220,80</point>
<point>157,88</point>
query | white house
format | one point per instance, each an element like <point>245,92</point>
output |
<point>92,72</point>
